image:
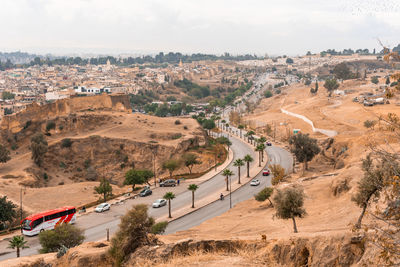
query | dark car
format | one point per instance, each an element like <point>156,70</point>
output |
<point>169,182</point>
<point>269,143</point>
<point>145,192</point>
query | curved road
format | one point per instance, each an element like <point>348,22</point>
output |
<point>276,155</point>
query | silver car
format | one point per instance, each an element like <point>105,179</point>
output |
<point>102,207</point>
<point>159,203</point>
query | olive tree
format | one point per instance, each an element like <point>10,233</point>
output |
<point>304,147</point>
<point>289,204</point>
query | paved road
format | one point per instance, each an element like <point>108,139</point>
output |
<point>95,224</point>
<point>276,155</point>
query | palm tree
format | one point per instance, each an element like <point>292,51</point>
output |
<point>240,127</point>
<point>193,187</point>
<point>250,136</point>
<point>262,141</point>
<point>17,242</point>
<point>248,159</point>
<point>259,148</point>
<point>238,163</point>
<point>228,173</point>
<point>169,196</point>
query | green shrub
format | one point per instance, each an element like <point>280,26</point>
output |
<point>159,228</point>
<point>14,147</point>
<point>177,122</point>
<point>176,136</point>
<point>268,94</point>
<point>62,165</point>
<point>66,142</point>
<point>63,235</point>
<point>50,125</point>
<point>45,176</point>
<point>27,124</point>
<point>60,127</point>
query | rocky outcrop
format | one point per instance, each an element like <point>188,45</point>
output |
<point>35,112</point>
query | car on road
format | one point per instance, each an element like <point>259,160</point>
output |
<point>266,172</point>
<point>159,203</point>
<point>169,182</point>
<point>145,192</point>
<point>269,143</point>
<point>102,207</point>
<point>255,182</point>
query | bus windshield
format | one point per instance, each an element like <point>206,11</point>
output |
<point>26,224</point>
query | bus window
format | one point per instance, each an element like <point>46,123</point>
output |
<point>37,222</point>
<point>26,225</point>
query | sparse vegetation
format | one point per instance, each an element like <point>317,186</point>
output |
<point>50,126</point>
<point>375,80</point>
<point>268,94</point>
<point>4,154</point>
<point>369,124</point>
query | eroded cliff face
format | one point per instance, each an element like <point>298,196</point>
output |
<point>16,122</point>
<point>341,250</point>
<point>88,159</point>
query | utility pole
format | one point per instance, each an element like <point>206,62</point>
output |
<point>20,206</point>
<point>230,193</point>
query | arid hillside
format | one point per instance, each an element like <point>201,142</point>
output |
<point>84,146</point>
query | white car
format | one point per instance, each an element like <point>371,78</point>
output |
<point>102,207</point>
<point>255,182</point>
<point>159,203</point>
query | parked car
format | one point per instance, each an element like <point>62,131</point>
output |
<point>145,192</point>
<point>269,143</point>
<point>266,172</point>
<point>169,182</point>
<point>159,203</point>
<point>102,207</point>
<point>255,182</point>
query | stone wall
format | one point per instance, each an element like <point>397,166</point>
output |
<point>35,112</point>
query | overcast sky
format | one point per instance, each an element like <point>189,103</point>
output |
<point>190,26</point>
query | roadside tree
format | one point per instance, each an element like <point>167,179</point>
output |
<point>104,189</point>
<point>169,196</point>
<point>190,159</point>
<point>171,165</point>
<point>265,194</point>
<point>238,163</point>
<point>193,188</point>
<point>227,173</point>
<point>248,159</point>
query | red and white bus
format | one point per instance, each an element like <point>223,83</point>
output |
<point>47,220</point>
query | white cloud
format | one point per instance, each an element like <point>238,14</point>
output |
<point>252,26</point>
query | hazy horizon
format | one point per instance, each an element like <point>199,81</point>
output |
<point>213,27</point>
